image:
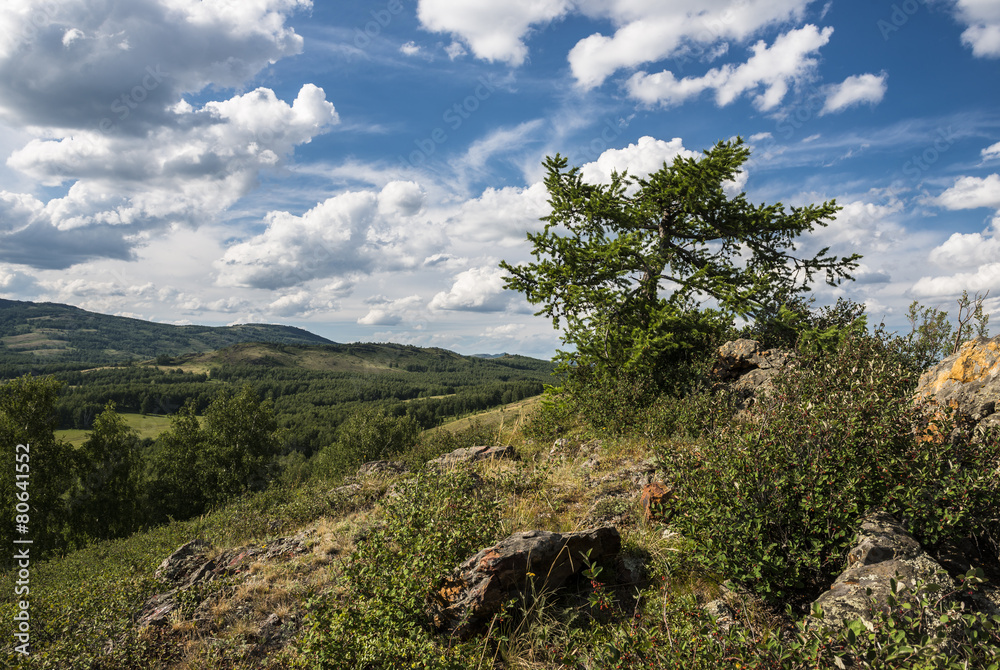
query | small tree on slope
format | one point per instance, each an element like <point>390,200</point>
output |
<point>623,267</point>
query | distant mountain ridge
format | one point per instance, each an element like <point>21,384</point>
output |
<point>43,336</point>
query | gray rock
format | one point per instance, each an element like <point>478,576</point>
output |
<point>381,469</point>
<point>884,551</point>
<point>190,565</point>
<point>472,455</point>
<point>749,368</point>
<point>724,615</point>
<point>477,589</point>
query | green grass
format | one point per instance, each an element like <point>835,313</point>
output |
<point>150,425</point>
<point>508,415</point>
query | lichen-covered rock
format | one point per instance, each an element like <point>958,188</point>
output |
<point>477,589</point>
<point>471,455</point>
<point>884,551</point>
<point>967,381</point>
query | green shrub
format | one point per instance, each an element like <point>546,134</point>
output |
<point>774,503</point>
<point>440,441</point>
<point>369,434</point>
<point>433,523</point>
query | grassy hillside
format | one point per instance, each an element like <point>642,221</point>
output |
<point>44,337</point>
<point>763,511</point>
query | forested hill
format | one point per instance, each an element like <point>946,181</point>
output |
<point>314,387</point>
<point>50,337</point>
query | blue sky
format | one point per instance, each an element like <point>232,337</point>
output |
<point>360,168</point>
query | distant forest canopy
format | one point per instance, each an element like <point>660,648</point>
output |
<point>315,384</point>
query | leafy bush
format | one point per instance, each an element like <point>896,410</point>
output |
<point>792,323</point>
<point>370,434</point>
<point>434,443</point>
<point>774,503</point>
<point>433,523</point>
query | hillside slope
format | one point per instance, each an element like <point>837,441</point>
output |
<point>43,337</point>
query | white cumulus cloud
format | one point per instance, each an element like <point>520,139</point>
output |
<point>855,90</point>
<point>972,193</point>
<point>351,233</point>
<point>493,29</point>
<point>768,73</point>
<point>651,30</point>
<point>641,159</point>
<point>476,290</point>
<point>983,32</point>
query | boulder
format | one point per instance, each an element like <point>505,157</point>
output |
<point>471,455</point>
<point>968,381</point>
<point>748,367</point>
<point>884,551</point>
<point>524,563</point>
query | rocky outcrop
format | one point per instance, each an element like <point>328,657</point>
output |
<point>193,564</point>
<point>748,368</point>
<point>968,381</point>
<point>526,562</point>
<point>884,551</point>
<point>472,455</point>
<point>381,469</point>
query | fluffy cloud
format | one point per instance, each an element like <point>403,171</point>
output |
<point>123,185</point>
<point>983,20</point>
<point>984,278</point>
<point>411,48</point>
<point>860,226</point>
<point>855,90</point>
<point>16,283</point>
<point>991,152</point>
<point>651,30</point>
<point>500,216</point>
<point>475,290</point>
<point>646,30</point>
<point>300,304</point>
<point>355,232</point>
<point>771,68</point>
<point>640,159</point>
<point>385,312</point>
<point>972,193</point>
<point>967,250</point>
<point>102,89</point>
<point>493,29</point>
<point>73,63</point>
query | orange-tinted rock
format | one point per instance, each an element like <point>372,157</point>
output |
<point>655,500</point>
<point>968,381</point>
